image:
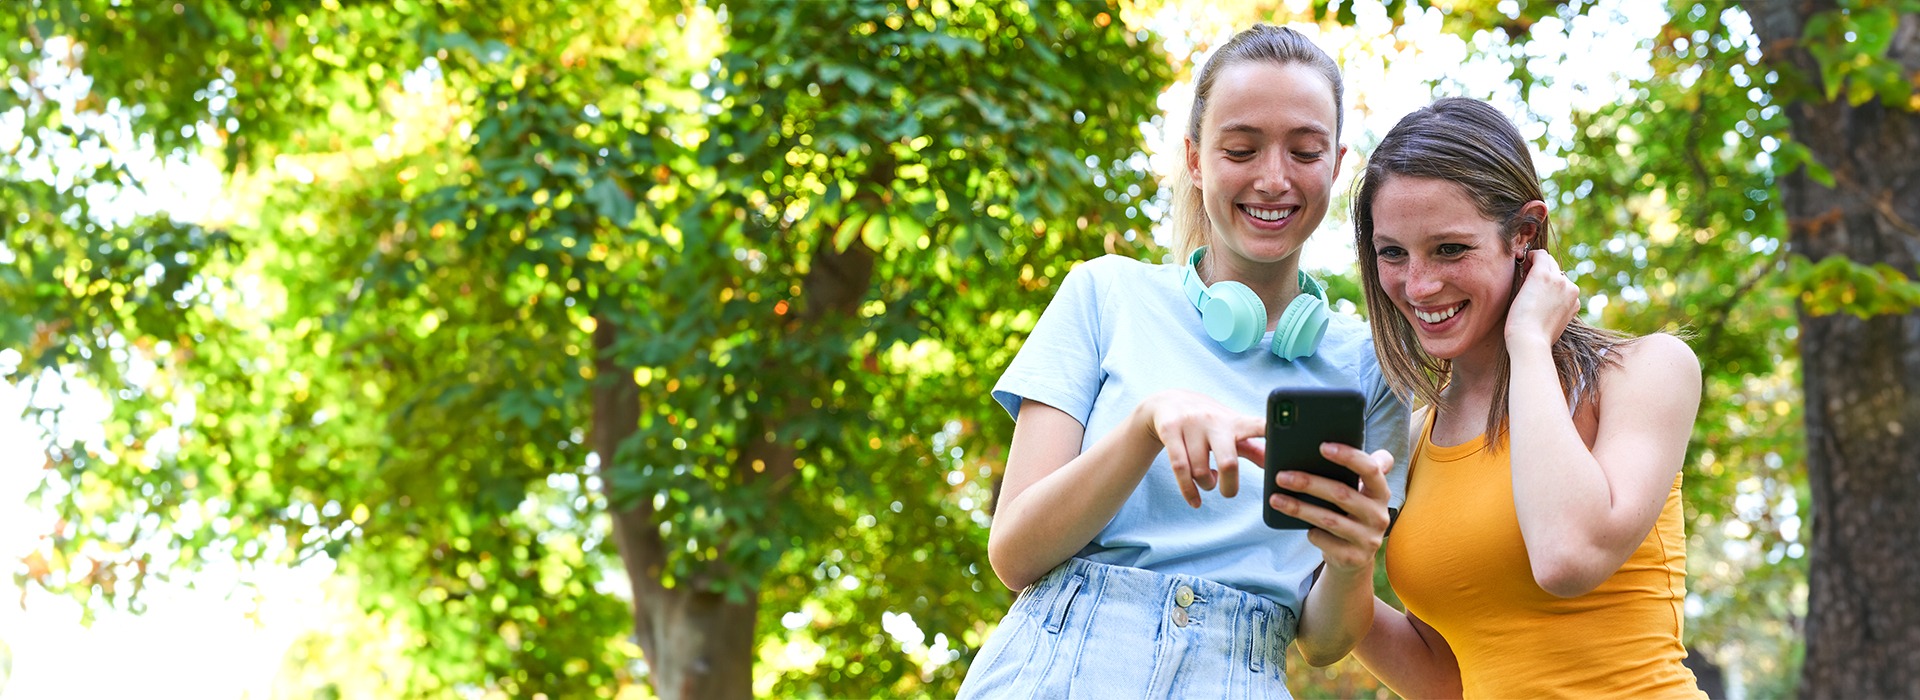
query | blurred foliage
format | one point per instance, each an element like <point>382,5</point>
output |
<point>385,352</point>
<point>377,345</point>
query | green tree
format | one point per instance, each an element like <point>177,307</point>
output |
<point>1848,73</point>
<point>741,277</point>
<point>738,275</point>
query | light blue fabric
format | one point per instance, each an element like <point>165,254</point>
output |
<point>1120,330</point>
<point>1091,630</point>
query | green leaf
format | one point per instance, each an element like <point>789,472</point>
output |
<point>852,228</point>
<point>611,201</point>
<point>877,231</point>
<point>1873,30</point>
<point>861,81</point>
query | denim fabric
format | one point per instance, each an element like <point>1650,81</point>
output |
<point>1090,630</point>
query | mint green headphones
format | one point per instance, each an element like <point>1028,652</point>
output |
<point>1235,317</point>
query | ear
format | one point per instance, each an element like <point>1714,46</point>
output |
<point>1339,157</point>
<point>1529,237</point>
<point>1193,160</point>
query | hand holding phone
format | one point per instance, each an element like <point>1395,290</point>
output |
<point>1298,421</point>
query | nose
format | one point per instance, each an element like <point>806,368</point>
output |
<point>1275,176</point>
<point>1422,281</point>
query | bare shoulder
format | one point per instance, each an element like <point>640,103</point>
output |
<point>1654,365</point>
<point>1661,354</point>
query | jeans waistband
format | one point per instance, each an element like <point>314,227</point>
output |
<point>1191,597</point>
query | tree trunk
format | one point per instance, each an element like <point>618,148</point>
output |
<point>1862,376</point>
<point>695,643</point>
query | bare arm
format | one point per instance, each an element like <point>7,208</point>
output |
<point>1054,498</point>
<point>1339,609</point>
<point>1409,656</point>
<point>1584,511</point>
<point>1403,651</point>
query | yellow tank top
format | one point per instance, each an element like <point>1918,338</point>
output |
<point>1457,561</point>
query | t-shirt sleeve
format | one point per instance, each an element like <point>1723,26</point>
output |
<point>1059,365</point>
<point>1387,430</point>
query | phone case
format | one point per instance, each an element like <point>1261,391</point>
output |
<point>1298,420</point>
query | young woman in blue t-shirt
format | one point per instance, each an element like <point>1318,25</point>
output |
<point>1128,407</point>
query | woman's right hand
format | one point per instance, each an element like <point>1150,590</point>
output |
<point>1544,304</point>
<point>1204,440</point>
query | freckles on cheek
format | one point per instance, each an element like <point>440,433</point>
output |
<point>1393,283</point>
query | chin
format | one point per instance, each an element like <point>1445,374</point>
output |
<point>1447,353</point>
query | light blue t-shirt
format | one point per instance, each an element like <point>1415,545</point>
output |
<point>1120,330</point>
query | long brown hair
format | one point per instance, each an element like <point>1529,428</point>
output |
<point>1471,144</point>
<point>1261,42</point>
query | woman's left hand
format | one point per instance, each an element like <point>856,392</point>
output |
<point>1544,304</point>
<point>1350,540</point>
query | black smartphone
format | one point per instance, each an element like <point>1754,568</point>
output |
<point>1298,420</point>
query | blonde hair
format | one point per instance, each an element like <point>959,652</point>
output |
<point>1261,42</point>
<point>1471,144</point>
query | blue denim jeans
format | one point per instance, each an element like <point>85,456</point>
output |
<point>1090,630</point>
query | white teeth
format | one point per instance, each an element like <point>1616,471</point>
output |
<point>1438,316</point>
<point>1271,214</point>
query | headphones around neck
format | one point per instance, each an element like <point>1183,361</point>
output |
<point>1235,317</point>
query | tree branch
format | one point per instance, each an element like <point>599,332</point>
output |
<point>1722,311</point>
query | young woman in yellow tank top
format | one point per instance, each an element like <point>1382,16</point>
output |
<point>1540,552</point>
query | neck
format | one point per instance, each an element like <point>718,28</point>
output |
<point>1277,283</point>
<point>1474,376</point>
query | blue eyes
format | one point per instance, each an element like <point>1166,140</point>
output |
<point>1446,250</point>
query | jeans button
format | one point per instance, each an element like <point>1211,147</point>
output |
<point>1183,596</point>
<point>1180,617</point>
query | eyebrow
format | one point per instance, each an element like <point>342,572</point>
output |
<point>1245,128</point>
<point>1444,236</point>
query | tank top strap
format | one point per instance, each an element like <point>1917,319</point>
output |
<point>1426,436</point>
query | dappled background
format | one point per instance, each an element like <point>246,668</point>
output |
<point>642,348</point>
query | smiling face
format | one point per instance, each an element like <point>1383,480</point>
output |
<point>1265,160</point>
<point>1446,267</point>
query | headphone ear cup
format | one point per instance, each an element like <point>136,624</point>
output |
<point>1301,327</point>
<point>1234,316</point>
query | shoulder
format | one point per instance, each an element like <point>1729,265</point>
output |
<point>1350,329</point>
<point>1112,265</point>
<point>1108,272</point>
<point>1661,355</point>
<point>1120,278</point>
<point>1349,343</point>
<point>1653,365</point>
